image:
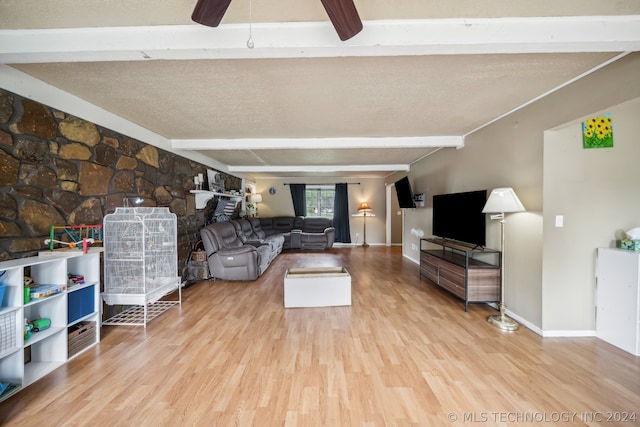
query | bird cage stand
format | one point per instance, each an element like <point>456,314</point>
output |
<point>140,264</point>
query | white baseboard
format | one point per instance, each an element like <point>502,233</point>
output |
<point>415,261</point>
<point>370,244</point>
<point>354,244</point>
<point>569,333</point>
<point>524,322</point>
<point>547,334</point>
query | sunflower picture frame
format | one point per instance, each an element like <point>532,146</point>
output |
<point>597,132</point>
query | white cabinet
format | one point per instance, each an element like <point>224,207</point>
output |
<point>618,298</point>
<point>23,362</point>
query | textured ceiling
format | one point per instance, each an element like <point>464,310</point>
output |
<point>308,97</point>
<point>316,97</point>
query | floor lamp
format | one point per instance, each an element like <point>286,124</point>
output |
<point>501,201</point>
<point>365,210</point>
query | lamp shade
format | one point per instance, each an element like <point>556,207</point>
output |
<point>255,198</point>
<point>503,200</point>
<point>364,208</point>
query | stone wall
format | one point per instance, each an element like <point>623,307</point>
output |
<point>57,169</point>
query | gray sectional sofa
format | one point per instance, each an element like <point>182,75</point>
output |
<point>243,249</point>
<point>309,232</point>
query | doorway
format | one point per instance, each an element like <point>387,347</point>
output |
<point>395,218</point>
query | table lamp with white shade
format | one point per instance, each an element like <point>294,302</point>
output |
<point>254,199</point>
<point>501,201</point>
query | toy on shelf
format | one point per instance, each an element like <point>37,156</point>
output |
<point>81,236</point>
<point>36,325</point>
<point>75,279</point>
<point>33,290</point>
<point>28,328</point>
<point>28,281</point>
<point>43,291</point>
<point>40,324</point>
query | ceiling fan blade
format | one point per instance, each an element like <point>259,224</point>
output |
<point>344,17</point>
<point>209,12</point>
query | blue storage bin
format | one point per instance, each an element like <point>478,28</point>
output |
<point>80,303</point>
<point>2,289</point>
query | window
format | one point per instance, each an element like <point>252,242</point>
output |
<point>320,200</point>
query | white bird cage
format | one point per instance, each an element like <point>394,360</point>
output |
<point>140,263</point>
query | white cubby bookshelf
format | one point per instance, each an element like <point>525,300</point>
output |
<point>24,362</point>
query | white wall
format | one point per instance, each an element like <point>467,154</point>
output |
<point>371,190</point>
<point>510,152</point>
<point>597,191</point>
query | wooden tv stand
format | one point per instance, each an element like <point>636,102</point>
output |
<point>470,273</point>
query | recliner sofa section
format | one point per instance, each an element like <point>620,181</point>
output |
<point>275,240</point>
<point>317,233</point>
<point>229,258</point>
<point>311,232</point>
<point>249,236</point>
<point>243,249</point>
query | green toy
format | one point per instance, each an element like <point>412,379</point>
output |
<point>28,327</point>
<point>41,324</point>
<point>37,325</point>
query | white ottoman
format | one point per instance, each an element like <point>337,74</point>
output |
<point>317,287</point>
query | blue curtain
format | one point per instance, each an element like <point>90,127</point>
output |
<point>299,198</point>
<point>341,214</point>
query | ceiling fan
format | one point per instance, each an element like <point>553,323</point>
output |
<point>342,13</point>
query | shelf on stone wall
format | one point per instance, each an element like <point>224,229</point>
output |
<point>203,196</point>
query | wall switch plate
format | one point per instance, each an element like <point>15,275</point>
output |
<point>559,221</point>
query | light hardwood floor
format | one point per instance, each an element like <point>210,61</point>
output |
<point>405,353</point>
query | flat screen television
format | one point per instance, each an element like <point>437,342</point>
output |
<point>458,216</point>
<point>405,195</point>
